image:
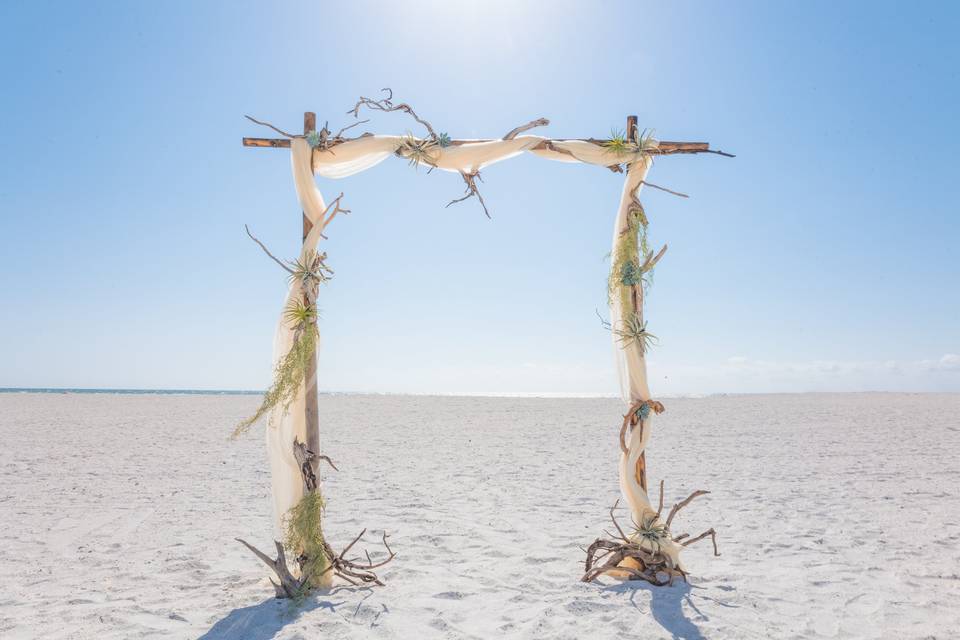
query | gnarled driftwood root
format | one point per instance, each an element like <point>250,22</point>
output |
<point>314,574</point>
<point>352,570</point>
<point>644,554</point>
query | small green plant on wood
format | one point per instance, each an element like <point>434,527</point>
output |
<point>621,142</point>
<point>618,144</point>
<point>634,331</point>
<point>631,269</point>
<point>310,270</point>
<point>652,531</point>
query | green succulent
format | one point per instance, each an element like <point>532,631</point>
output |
<point>625,270</point>
<point>631,274</point>
<point>443,140</point>
<point>644,411</point>
<point>314,139</point>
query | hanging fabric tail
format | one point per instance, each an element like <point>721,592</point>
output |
<point>289,423</point>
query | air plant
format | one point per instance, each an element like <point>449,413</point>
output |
<point>618,143</point>
<point>443,140</point>
<point>646,142</point>
<point>300,315</point>
<point>651,531</point>
<point>418,151</point>
<point>310,270</point>
<point>635,331</point>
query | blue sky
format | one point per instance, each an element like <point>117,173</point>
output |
<point>824,257</point>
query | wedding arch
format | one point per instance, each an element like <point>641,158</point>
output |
<point>648,550</point>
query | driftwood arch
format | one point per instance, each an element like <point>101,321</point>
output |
<point>648,550</point>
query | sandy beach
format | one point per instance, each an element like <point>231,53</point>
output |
<point>119,516</point>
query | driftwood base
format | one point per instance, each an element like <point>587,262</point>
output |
<point>642,555</point>
<point>354,571</point>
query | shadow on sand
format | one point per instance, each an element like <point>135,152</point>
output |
<point>265,620</point>
<point>666,606</point>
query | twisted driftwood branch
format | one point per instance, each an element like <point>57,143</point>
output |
<point>267,251</point>
<point>386,104</point>
<point>651,260</point>
<point>632,417</point>
<point>660,505</point>
<point>680,505</point>
<point>471,181</point>
<point>513,133</point>
<point>353,571</point>
<point>289,586</point>
<point>709,532</point>
<point>267,124</point>
<point>656,186</point>
<point>327,219</point>
<point>339,135</point>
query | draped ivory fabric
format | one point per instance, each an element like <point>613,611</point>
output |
<point>290,423</point>
<point>632,372</point>
<point>629,354</point>
<point>363,153</point>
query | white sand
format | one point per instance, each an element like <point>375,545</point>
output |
<point>838,516</point>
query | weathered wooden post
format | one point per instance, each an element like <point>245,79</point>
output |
<point>310,377</point>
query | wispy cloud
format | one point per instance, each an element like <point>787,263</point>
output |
<point>948,362</point>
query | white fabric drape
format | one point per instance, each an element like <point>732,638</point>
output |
<point>290,423</point>
<point>363,153</point>
<point>630,358</point>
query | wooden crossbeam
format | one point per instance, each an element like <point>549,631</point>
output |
<point>667,147</point>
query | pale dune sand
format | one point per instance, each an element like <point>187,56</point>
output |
<point>838,517</point>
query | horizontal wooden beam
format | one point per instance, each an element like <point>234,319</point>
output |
<point>666,147</point>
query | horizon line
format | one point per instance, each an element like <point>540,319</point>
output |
<point>461,394</point>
